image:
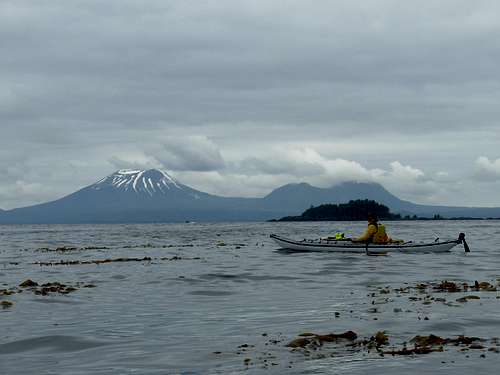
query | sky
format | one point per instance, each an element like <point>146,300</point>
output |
<point>236,98</point>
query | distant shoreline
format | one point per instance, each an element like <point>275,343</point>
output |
<point>388,219</point>
<point>233,222</point>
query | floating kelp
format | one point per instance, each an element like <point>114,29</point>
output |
<point>430,340</point>
<point>349,343</point>
<point>425,292</point>
<point>104,261</point>
<point>449,287</point>
<point>380,338</point>
<point>61,249</point>
<point>143,246</point>
<point>314,340</point>
<point>28,283</point>
<point>348,338</point>
<point>55,287</point>
<point>444,286</point>
<point>6,304</point>
<point>433,343</point>
<point>153,246</point>
<point>254,355</point>
<point>7,292</point>
<point>412,351</point>
<point>312,346</point>
<point>429,293</point>
<point>421,344</point>
<point>46,288</point>
<point>376,341</point>
<point>179,258</point>
<point>66,249</point>
<point>98,261</point>
<point>467,298</point>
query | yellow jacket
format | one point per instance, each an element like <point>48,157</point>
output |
<point>375,233</point>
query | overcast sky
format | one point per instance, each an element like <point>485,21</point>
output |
<point>239,97</point>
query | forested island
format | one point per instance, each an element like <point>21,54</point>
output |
<point>351,211</point>
<point>356,210</point>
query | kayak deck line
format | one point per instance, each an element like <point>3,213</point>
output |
<point>335,243</point>
<point>346,246</point>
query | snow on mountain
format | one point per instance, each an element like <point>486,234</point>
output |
<point>150,182</point>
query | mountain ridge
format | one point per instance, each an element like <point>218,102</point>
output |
<point>129,196</point>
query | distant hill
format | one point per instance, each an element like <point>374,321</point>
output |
<point>353,210</point>
<point>303,195</point>
<point>145,196</point>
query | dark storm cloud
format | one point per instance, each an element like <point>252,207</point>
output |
<point>87,86</point>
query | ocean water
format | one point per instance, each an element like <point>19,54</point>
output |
<point>223,299</point>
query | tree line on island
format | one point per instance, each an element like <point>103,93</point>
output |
<point>354,210</point>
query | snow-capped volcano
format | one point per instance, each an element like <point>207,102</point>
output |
<point>150,182</point>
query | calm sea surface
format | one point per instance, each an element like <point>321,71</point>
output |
<point>221,298</point>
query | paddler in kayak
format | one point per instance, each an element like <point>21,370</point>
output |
<point>375,233</point>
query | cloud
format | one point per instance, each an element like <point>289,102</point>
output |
<point>410,182</point>
<point>303,162</point>
<point>258,176</point>
<point>189,153</point>
<point>134,161</point>
<point>486,169</point>
<point>193,153</point>
<point>32,193</point>
<point>405,172</point>
<point>233,184</point>
<point>295,162</point>
<point>198,161</point>
<point>264,62</point>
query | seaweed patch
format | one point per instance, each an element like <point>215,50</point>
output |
<point>111,260</point>
<point>45,289</point>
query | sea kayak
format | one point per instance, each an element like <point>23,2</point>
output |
<point>346,246</point>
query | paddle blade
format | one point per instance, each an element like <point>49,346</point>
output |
<point>466,247</point>
<point>461,239</point>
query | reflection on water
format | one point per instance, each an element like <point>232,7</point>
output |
<point>221,298</point>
